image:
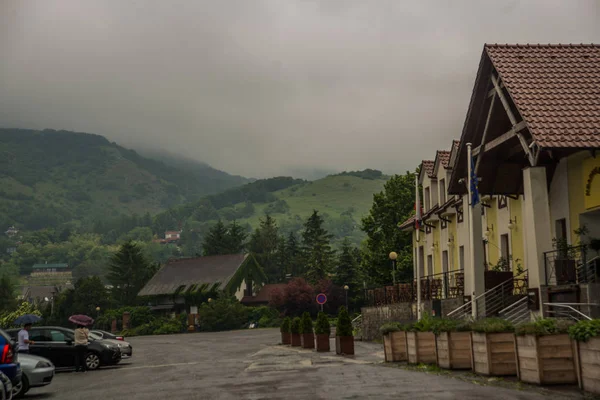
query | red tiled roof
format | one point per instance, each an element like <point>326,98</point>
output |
<point>455,144</point>
<point>427,166</point>
<point>555,89</point>
<point>408,223</point>
<point>444,157</point>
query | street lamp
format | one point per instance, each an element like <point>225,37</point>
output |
<point>209,299</point>
<point>97,311</point>
<point>346,290</point>
<point>393,256</point>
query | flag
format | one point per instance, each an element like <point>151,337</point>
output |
<point>417,205</point>
<point>473,182</point>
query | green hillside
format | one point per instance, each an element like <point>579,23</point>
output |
<point>51,177</point>
<point>342,199</point>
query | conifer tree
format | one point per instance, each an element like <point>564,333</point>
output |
<point>317,254</point>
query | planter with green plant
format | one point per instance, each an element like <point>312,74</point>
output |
<point>544,352</point>
<point>493,344</point>
<point>322,331</point>
<point>296,329</point>
<point>586,335</point>
<point>453,343</point>
<point>286,331</point>
<point>344,340</point>
<point>420,341</point>
<point>394,342</point>
<point>307,336</point>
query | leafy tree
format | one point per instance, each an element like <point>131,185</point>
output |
<point>263,244</point>
<point>316,248</point>
<point>8,317</point>
<point>88,294</point>
<point>128,272</point>
<point>8,299</point>
<point>297,297</point>
<point>216,241</point>
<point>391,206</point>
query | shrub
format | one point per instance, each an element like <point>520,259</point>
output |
<point>168,327</point>
<point>390,327</point>
<point>585,330</point>
<point>7,319</point>
<point>441,325</point>
<point>322,326</point>
<point>286,325</point>
<point>543,327</point>
<point>344,325</point>
<point>492,325</point>
<point>267,317</point>
<point>425,324</point>
<point>307,323</point>
<point>296,325</point>
<point>222,314</point>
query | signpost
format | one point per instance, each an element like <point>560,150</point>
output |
<point>321,299</point>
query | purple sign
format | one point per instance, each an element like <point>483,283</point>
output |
<point>321,298</point>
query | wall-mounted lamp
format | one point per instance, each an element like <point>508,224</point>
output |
<point>450,240</point>
<point>488,231</point>
<point>512,224</point>
<point>433,246</point>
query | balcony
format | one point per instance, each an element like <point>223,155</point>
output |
<point>568,265</point>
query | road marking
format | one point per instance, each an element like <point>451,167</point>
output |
<point>163,365</point>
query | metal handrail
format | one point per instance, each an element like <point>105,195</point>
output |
<point>516,303</point>
<point>568,306</point>
<point>473,301</point>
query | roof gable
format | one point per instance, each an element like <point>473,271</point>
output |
<point>442,159</point>
<point>426,168</point>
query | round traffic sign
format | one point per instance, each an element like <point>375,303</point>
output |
<point>321,298</point>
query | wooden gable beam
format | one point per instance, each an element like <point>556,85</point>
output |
<point>485,131</point>
<point>500,139</point>
<point>513,121</point>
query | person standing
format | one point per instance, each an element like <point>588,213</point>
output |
<point>81,342</point>
<point>23,339</point>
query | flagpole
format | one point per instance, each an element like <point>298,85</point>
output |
<point>418,253</point>
<point>470,219</point>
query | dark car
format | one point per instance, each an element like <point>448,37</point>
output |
<point>6,388</point>
<point>9,363</point>
<point>56,344</point>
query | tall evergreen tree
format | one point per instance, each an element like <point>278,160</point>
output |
<point>263,244</point>
<point>348,272</point>
<point>216,241</point>
<point>391,206</point>
<point>128,272</point>
<point>293,256</point>
<point>236,238</point>
<point>317,254</point>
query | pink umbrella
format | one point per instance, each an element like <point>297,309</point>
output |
<point>81,319</point>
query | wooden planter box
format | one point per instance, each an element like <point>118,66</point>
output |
<point>587,355</point>
<point>323,342</point>
<point>286,338</point>
<point>420,347</point>
<point>394,346</point>
<point>308,340</point>
<point>494,353</point>
<point>546,360</point>
<point>296,341</point>
<point>454,350</point>
<point>344,345</point>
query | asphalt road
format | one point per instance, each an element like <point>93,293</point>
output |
<point>250,365</point>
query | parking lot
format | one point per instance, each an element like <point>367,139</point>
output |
<point>250,365</point>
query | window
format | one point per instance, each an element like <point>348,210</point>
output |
<point>430,264</point>
<point>427,199</point>
<point>461,257</point>
<point>445,261</point>
<point>60,336</point>
<point>504,251</point>
<point>442,191</point>
<point>40,335</point>
<point>561,228</point>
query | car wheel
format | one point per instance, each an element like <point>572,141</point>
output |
<point>92,361</point>
<point>21,388</point>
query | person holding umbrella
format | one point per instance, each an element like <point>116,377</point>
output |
<point>23,338</point>
<point>81,342</point>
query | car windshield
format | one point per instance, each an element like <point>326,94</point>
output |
<point>94,336</point>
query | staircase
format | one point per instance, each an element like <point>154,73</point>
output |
<point>506,299</point>
<point>517,313</point>
<point>587,272</point>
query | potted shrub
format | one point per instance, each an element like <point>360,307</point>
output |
<point>544,352</point>
<point>307,337</point>
<point>296,327</point>
<point>420,341</point>
<point>586,335</point>
<point>394,342</point>
<point>493,344</point>
<point>286,331</point>
<point>323,331</point>
<point>344,340</point>
<point>453,344</point>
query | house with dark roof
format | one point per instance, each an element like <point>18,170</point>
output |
<point>263,297</point>
<point>178,279</point>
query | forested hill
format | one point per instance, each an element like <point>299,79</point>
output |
<point>342,200</point>
<point>50,177</point>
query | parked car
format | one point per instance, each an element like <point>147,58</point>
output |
<point>9,363</point>
<point>37,371</point>
<point>6,387</point>
<point>56,344</point>
<point>107,335</point>
<point>125,347</point>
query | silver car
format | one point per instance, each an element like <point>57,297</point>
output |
<point>125,347</point>
<point>37,371</point>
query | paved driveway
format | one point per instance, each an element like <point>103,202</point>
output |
<point>249,365</point>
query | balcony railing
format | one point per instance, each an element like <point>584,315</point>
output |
<point>570,265</point>
<point>445,285</point>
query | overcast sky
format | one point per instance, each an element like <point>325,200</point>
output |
<point>263,88</point>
